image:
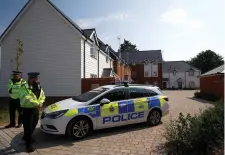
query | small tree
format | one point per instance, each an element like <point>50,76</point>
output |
<point>19,52</point>
<point>127,46</point>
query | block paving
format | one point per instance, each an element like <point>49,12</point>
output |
<point>136,139</point>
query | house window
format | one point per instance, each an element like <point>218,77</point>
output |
<point>174,73</point>
<point>146,74</point>
<point>93,51</point>
<point>191,84</point>
<point>93,76</point>
<point>191,73</point>
<point>155,73</point>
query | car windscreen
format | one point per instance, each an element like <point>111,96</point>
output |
<point>90,94</point>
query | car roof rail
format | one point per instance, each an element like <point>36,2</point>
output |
<point>121,83</point>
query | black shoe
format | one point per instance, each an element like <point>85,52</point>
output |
<point>29,149</point>
<point>19,125</point>
<point>9,126</point>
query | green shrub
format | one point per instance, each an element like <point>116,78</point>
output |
<point>197,135</point>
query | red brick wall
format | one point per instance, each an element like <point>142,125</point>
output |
<point>121,69</point>
<point>213,84</point>
<point>87,82</point>
<point>138,71</point>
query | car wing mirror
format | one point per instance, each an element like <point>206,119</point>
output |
<point>104,101</point>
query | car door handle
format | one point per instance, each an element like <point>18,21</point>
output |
<point>122,105</point>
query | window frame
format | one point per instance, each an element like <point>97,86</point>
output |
<point>193,73</point>
<point>143,89</point>
<point>93,75</point>
<point>147,74</point>
<point>93,52</point>
<point>110,91</point>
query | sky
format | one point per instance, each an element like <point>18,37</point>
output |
<point>180,28</point>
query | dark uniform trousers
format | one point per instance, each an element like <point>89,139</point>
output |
<point>30,120</point>
<point>14,104</point>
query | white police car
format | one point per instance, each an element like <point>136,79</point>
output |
<point>105,107</point>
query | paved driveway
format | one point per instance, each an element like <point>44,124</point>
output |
<point>133,139</point>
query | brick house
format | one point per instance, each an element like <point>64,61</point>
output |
<point>212,82</point>
<point>146,66</point>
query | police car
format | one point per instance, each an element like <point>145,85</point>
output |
<point>105,107</point>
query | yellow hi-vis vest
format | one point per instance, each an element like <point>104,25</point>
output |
<point>15,88</point>
<point>28,99</point>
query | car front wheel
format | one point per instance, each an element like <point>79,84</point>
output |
<point>79,128</point>
<point>154,117</point>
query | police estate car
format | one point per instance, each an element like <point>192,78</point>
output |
<point>105,107</point>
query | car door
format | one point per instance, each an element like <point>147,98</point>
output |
<point>110,112</point>
<point>137,105</point>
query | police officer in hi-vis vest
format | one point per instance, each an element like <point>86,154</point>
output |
<point>31,99</point>
<point>14,86</point>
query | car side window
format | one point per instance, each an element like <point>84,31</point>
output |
<point>114,95</point>
<point>151,92</point>
<point>137,93</point>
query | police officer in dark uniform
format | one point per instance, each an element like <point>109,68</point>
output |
<point>14,86</point>
<point>32,98</point>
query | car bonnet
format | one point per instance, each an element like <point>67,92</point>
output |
<point>63,105</point>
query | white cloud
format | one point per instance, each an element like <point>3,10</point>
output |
<point>179,17</point>
<point>93,22</point>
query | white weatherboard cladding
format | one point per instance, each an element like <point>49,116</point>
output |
<point>51,46</point>
<point>91,65</point>
<point>173,80</point>
<point>151,69</point>
<point>102,63</point>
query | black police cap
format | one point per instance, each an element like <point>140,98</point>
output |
<point>33,74</point>
<point>16,72</point>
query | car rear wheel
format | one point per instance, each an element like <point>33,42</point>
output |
<point>79,128</point>
<point>154,117</point>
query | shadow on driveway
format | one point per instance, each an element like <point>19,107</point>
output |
<point>201,100</point>
<point>44,140</point>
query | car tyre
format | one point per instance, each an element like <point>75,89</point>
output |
<point>154,117</point>
<point>79,128</point>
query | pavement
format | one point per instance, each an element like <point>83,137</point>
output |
<point>136,139</point>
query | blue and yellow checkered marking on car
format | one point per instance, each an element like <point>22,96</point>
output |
<point>121,107</point>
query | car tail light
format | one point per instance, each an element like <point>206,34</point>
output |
<point>167,99</point>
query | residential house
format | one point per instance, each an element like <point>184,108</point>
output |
<point>54,46</point>
<point>146,66</point>
<point>180,74</point>
<point>212,82</point>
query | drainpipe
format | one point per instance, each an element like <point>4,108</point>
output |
<point>98,62</point>
<point>169,79</point>
<point>84,58</point>
<point>185,79</point>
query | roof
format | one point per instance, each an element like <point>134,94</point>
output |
<point>142,56</point>
<point>179,66</point>
<point>102,46</point>
<point>85,32</point>
<point>51,4</point>
<point>217,70</point>
<point>88,32</point>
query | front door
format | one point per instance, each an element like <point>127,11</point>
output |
<point>164,85</point>
<point>179,85</point>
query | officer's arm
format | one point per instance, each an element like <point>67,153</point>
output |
<point>42,97</point>
<point>10,84</point>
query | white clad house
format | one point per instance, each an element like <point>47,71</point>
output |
<point>179,75</point>
<point>54,46</point>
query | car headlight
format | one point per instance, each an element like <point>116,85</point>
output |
<point>57,114</point>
